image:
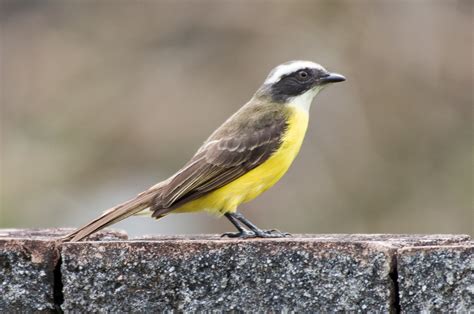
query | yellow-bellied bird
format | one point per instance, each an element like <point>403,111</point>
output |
<point>244,157</point>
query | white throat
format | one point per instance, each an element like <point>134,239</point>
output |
<point>303,102</point>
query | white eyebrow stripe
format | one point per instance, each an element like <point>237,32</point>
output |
<point>289,67</point>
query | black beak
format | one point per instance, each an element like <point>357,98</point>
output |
<point>332,78</point>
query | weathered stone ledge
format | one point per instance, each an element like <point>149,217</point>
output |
<point>110,273</point>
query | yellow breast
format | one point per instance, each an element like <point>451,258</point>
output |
<point>258,180</point>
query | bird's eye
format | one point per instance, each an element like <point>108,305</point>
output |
<point>303,75</point>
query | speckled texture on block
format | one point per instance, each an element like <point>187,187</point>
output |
<point>213,274</point>
<point>302,273</point>
<point>27,262</point>
<point>437,279</point>
<point>26,275</point>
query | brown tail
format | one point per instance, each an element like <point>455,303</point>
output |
<point>115,214</point>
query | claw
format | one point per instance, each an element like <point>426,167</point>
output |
<point>241,234</point>
<point>261,234</point>
<point>272,234</point>
<point>277,232</point>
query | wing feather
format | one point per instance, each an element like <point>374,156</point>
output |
<point>222,159</point>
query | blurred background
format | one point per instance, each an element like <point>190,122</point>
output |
<point>102,99</point>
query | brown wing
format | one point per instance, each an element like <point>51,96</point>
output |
<point>222,159</point>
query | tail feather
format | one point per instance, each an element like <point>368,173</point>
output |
<point>114,214</point>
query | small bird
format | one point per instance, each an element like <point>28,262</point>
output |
<point>243,158</point>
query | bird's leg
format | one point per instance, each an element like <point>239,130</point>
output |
<point>259,233</point>
<point>243,233</point>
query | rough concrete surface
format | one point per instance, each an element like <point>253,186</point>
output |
<point>195,273</point>
<point>437,279</point>
<point>28,260</point>
<point>249,275</point>
<point>303,273</point>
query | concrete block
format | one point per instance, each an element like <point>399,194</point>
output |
<point>29,276</point>
<point>437,278</point>
<point>210,273</point>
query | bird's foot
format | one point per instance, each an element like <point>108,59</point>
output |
<point>244,234</point>
<point>271,234</point>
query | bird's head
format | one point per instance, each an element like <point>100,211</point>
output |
<point>297,82</point>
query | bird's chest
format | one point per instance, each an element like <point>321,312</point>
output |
<point>290,144</point>
<point>268,173</point>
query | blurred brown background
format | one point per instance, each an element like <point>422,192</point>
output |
<point>101,99</point>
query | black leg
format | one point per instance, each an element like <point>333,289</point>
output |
<point>255,231</point>
<point>243,233</point>
<point>259,232</point>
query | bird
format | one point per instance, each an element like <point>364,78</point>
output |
<point>240,160</point>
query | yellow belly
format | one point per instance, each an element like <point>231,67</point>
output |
<point>258,180</point>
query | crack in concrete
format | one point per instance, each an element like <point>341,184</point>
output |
<point>58,295</point>
<point>393,274</point>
